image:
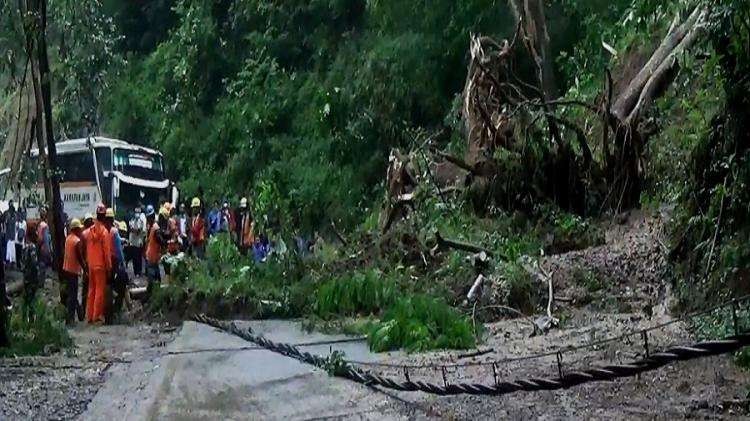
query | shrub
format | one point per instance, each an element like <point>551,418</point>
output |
<point>42,335</point>
<point>223,254</point>
<point>516,288</point>
<point>420,323</point>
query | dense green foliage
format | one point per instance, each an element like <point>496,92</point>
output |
<point>364,293</point>
<point>228,283</point>
<point>712,225</point>
<point>44,334</point>
<point>304,99</point>
<point>297,104</point>
<point>420,323</point>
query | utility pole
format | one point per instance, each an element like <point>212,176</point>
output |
<point>36,41</point>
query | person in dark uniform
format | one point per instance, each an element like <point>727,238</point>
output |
<point>4,311</point>
<point>31,274</point>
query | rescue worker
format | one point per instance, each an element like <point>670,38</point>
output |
<point>117,259</point>
<point>99,261</point>
<point>73,266</point>
<point>245,228</point>
<point>118,253</point>
<point>156,241</point>
<point>120,277</point>
<point>197,229</point>
<point>88,222</point>
<point>173,229</point>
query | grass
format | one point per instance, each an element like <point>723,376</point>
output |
<point>359,294</point>
<point>394,317</point>
<point>44,335</point>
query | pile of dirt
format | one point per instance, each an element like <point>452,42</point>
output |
<point>627,272</point>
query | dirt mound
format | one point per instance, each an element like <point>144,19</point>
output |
<point>628,271</point>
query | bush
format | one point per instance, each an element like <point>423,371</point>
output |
<point>223,253</point>
<point>516,288</point>
<point>421,323</point>
<point>43,335</point>
<point>234,284</point>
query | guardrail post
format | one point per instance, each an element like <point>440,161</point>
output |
<point>734,317</point>
<point>445,379</point>
<point>494,373</point>
<point>559,364</point>
<point>406,374</point>
<point>644,335</point>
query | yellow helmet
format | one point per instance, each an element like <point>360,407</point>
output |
<point>110,213</point>
<point>196,203</point>
<point>89,217</point>
<point>163,211</point>
<point>122,226</point>
<point>243,202</point>
<point>75,223</point>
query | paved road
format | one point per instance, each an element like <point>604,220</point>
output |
<point>197,378</point>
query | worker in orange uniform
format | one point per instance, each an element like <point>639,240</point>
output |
<point>73,265</point>
<point>88,222</point>
<point>156,239</point>
<point>99,260</point>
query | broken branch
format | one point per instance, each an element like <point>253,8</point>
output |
<point>443,243</point>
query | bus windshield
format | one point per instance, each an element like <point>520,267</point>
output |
<point>139,164</point>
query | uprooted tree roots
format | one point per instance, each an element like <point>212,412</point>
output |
<point>524,147</point>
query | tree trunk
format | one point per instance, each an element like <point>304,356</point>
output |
<point>661,59</point>
<point>36,39</point>
<point>536,38</point>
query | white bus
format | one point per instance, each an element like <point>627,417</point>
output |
<point>98,169</point>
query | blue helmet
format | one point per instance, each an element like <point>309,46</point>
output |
<point>149,210</point>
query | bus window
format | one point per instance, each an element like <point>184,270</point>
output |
<point>77,166</point>
<point>104,158</point>
<point>139,164</point>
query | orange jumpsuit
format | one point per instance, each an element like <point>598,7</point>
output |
<point>99,259</point>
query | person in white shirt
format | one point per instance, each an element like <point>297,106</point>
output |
<point>20,230</point>
<point>136,240</point>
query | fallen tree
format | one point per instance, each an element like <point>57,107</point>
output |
<point>520,145</point>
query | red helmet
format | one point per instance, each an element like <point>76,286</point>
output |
<point>101,209</point>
